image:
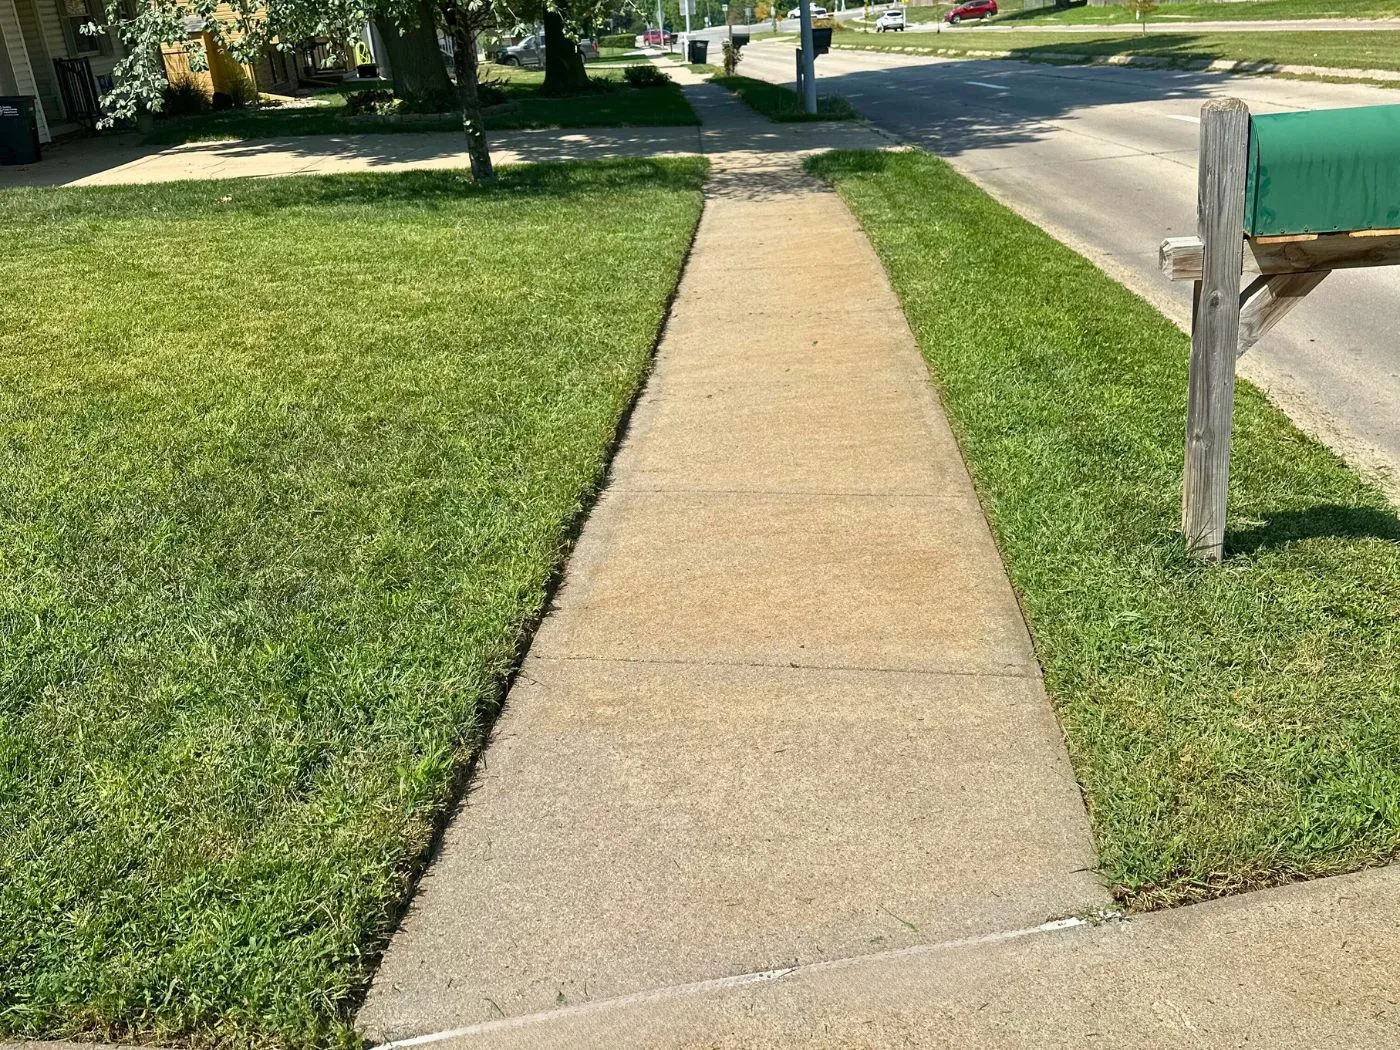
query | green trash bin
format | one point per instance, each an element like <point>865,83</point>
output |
<point>19,130</point>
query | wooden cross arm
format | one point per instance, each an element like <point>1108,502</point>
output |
<point>1181,257</point>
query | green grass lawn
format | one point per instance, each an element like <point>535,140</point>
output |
<point>1342,49</point>
<point>1239,11</point>
<point>286,467</point>
<point>1232,726</point>
<point>782,103</point>
<point>525,107</point>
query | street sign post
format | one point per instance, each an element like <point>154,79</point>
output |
<point>1284,199</point>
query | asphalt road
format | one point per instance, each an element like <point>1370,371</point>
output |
<point>1160,23</point>
<point>1104,158</point>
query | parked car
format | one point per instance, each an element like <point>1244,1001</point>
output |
<point>529,53</point>
<point>817,12</point>
<point>655,38</point>
<point>973,9</point>
<point>890,21</point>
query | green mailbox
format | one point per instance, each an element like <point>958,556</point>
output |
<point>1323,171</point>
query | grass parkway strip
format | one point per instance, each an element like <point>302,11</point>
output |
<point>1233,727</point>
<point>1334,50</point>
<point>1167,14</point>
<point>285,470</point>
<point>781,103</point>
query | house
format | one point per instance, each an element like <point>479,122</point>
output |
<point>44,54</point>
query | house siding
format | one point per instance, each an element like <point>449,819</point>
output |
<point>40,59</point>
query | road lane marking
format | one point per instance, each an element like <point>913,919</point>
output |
<point>983,83</point>
<point>1184,120</point>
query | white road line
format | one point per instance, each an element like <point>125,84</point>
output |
<point>1183,119</point>
<point>981,83</point>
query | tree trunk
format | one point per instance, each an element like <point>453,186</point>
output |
<point>464,55</point>
<point>415,60</point>
<point>563,65</point>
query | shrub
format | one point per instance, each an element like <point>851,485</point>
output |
<point>370,100</point>
<point>434,101</point>
<point>603,85</point>
<point>645,76</point>
<point>185,97</point>
<point>241,90</point>
<point>627,40</point>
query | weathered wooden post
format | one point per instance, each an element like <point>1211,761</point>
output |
<point>1284,199</point>
<point>1215,325</point>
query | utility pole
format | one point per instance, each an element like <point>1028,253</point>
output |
<point>808,63</point>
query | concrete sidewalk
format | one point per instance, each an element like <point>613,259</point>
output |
<point>121,160</point>
<point>1307,967</point>
<point>784,708</point>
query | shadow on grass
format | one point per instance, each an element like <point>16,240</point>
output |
<point>1322,522</point>
<point>419,188</point>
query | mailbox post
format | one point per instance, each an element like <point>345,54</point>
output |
<point>1283,200</point>
<point>806,64</point>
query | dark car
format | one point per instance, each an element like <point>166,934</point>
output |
<point>973,9</point>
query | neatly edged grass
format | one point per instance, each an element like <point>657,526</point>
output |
<point>615,104</point>
<point>1212,11</point>
<point>286,467</point>
<point>781,103</point>
<point>1233,726</point>
<point>1342,49</point>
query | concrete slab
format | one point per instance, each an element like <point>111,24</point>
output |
<point>825,580</point>
<point>790,435</point>
<point>784,707</point>
<point>721,820</point>
<point>1313,966</point>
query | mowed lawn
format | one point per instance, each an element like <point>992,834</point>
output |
<point>286,467</point>
<point>781,103</point>
<point>1343,49</point>
<point>612,104</point>
<point>1232,726</point>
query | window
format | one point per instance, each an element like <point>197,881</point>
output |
<point>76,14</point>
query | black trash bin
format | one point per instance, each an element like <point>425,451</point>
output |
<point>699,51</point>
<point>19,130</point>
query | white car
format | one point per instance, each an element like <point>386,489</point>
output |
<point>817,12</point>
<point>890,21</point>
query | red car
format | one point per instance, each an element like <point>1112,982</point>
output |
<point>973,9</point>
<point>655,38</point>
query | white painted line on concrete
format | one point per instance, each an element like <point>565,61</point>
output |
<point>1183,119</point>
<point>981,83</point>
<point>717,984</point>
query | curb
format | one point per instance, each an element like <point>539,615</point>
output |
<point>1144,61</point>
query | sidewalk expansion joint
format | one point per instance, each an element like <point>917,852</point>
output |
<point>784,666</point>
<point>622,488</point>
<point>720,984</point>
